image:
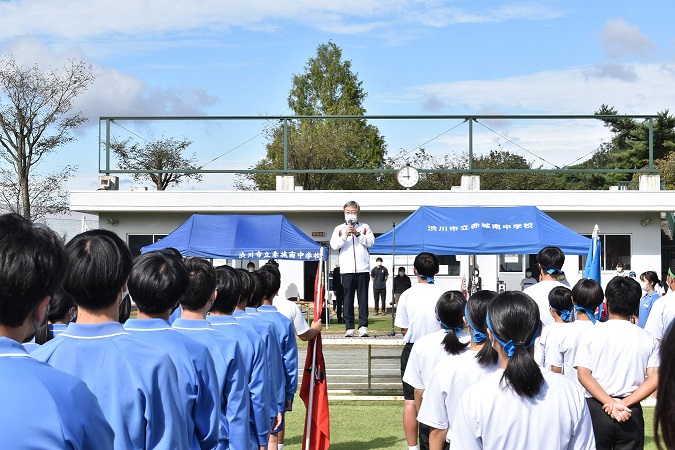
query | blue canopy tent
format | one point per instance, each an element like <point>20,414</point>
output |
<point>240,236</point>
<point>479,231</point>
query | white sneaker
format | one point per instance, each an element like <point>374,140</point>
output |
<point>363,332</point>
<point>350,333</point>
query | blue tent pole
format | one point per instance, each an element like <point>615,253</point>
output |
<point>393,271</point>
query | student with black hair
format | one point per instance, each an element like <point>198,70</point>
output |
<point>252,349</point>
<point>662,313</point>
<point>156,282</point>
<point>226,353</point>
<point>135,383</point>
<point>550,261</point>
<point>617,363</point>
<point>563,345</point>
<point>450,339</point>
<point>416,317</point>
<point>287,341</point>
<point>664,412</point>
<point>455,373</point>
<point>562,311</point>
<point>649,281</point>
<point>520,406</point>
<point>247,317</point>
<point>62,311</point>
<point>38,400</point>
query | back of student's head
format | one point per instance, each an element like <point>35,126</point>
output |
<point>259,289</point>
<point>426,264</point>
<point>157,281</point>
<point>228,287</point>
<point>623,296</point>
<point>273,281</point>
<point>32,266</point>
<point>664,411</point>
<point>560,300</point>
<point>587,294</point>
<point>476,309</point>
<point>100,263</point>
<point>551,259</point>
<point>61,310</point>
<point>202,284</point>
<point>513,319</point>
<point>245,286</point>
<point>450,312</point>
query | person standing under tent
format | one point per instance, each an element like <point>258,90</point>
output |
<point>528,280</point>
<point>353,239</point>
<point>550,261</point>
<point>379,275</point>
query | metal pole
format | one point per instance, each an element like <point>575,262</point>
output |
<point>312,380</point>
<point>285,144</point>
<point>651,144</point>
<point>470,145</point>
<point>393,271</point>
<point>107,147</point>
<point>369,366</point>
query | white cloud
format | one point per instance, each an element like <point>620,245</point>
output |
<point>622,40</point>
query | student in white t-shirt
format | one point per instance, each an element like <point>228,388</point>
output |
<point>587,295</point>
<point>455,373</point>
<point>450,339</point>
<point>664,412</point>
<point>550,261</point>
<point>560,307</point>
<point>612,362</point>
<point>416,317</point>
<point>520,406</point>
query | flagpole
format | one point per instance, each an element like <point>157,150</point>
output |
<point>310,403</point>
<point>393,271</point>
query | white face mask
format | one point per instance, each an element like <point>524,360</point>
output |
<point>379,264</point>
<point>353,218</point>
<point>401,273</point>
<point>528,274</point>
<point>644,286</point>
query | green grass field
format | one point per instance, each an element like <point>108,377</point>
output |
<point>375,425</point>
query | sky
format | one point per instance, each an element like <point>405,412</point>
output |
<point>414,57</point>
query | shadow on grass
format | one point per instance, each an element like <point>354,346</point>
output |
<point>373,444</point>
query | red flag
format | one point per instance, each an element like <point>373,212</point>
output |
<point>318,417</point>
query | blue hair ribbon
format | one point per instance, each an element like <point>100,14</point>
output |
<point>510,347</point>
<point>551,270</point>
<point>447,328</point>
<point>430,280</point>
<point>586,311</point>
<point>478,336</point>
<point>565,314</point>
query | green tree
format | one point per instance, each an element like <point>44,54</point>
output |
<point>35,120</point>
<point>328,86</point>
<point>162,154</point>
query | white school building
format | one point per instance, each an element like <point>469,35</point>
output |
<point>630,223</point>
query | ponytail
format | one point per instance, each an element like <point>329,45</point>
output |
<point>513,320</point>
<point>475,311</point>
<point>44,334</point>
<point>450,310</point>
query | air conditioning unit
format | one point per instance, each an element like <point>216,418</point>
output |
<point>108,183</point>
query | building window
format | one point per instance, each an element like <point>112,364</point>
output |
<point>511,263</point>
<point>138,241</point>
<point>616,248</point>
<point>448,265</point>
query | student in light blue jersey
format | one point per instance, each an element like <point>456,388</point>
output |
<point>285,333</point>
<point>43,407</point>
<point>156,282</point>
<point>249,318</point>
<point>252,347</point>
<point>135,383</point>
<point>226,353</point>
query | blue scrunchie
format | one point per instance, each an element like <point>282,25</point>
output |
<point>586,311</point>
<point>510,347</point>
<point>478,336</point>
<point>565,314</point>
<point>430,280</point>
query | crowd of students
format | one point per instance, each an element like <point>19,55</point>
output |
<point>537,369</point>
<point>222,381</point>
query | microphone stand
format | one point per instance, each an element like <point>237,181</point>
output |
<point>393,271</point>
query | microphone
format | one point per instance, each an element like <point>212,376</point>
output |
<point>350,222</point>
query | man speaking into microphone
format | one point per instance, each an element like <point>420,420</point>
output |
<point>353,239</point>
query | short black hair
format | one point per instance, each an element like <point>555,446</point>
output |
<point>378,259</point>
<point>59,309</point>
<point>560,298</point>
<point>623,296</point>
<point>273,278</point>
<point>202,284</point>
<point>32,266</point>
<point>587,293</point>
<point>259,289</point>
<point>100,264</point>
<point>157,281</point>
<point>426,264</point>
<point>228,287</point>
<point>551,258</point>
<point>245,285</point>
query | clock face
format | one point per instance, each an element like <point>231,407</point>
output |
<point>408,176</point>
